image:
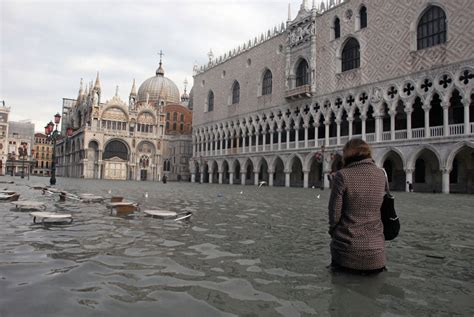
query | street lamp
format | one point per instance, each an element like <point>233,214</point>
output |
<point>321,158</point>
<point>22,152</point>
<point>52,133</point>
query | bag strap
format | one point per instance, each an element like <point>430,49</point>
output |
<point>387,185</point>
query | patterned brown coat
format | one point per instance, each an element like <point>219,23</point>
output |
<point>355,224</point>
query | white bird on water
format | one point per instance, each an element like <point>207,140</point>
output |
<point>241,192</point>
<point>110,191</point>
<point>319,196</point>
<point>146,195</point>
<point>262,183</point>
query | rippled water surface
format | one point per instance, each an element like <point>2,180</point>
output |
<point>245,252</point>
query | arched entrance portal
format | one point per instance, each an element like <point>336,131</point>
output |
<point>197,168</point>
<point>279,178</point>
<point>263,172</point>
<point>115,160</point>
<point>237,180</point>
<point>393,165</point>
<point>205,172</point>
<point>92,160</point>
<point>215,173</point>
<point>315,172</point>
<point>461,177</point>
<point>296,176</point>
<point>249,173</point>
<point>427,174</point>
<point>225,173</point>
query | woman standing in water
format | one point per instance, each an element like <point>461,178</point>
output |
<point>355,225</point>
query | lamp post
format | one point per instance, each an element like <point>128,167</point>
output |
<point>321,158</point>
<point>51,131</point>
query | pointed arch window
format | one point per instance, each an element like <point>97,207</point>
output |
<point>236,93</point>
<point>210,101</point>
<point>363,17</point>
<point>431,29</point>
<point>351,55</point>
<point>337,28</point>
<point>302,74</point>
<point>267,83</point>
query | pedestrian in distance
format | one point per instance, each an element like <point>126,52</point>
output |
<point>410,187</point>
<point>355,224</point>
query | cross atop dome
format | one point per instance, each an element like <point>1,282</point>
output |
<point>160,71</point>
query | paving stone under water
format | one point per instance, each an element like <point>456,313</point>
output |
<point>261,253</point>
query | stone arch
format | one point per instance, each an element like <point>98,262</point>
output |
<point>93,159</point>
<point>419,14</point>
<point>262,168</point>
<point>426,164</point>
<point>460,162</point>
<point>248,169</point>
<point>116,158</point>
<point>295,167</point>
<point>236,170</point>
<point>197,170</point>
<point>279,171</point>
<point>214,172</point>
<point>393,163</point>
<point>225,172</point>
<point>315,168</point>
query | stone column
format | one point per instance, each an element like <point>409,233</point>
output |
<point>287,179</point>
<point>271,140</point>
<point>409,179</point>
<point>392,124</point>
<point>305,179</point>
<point>445,118</point>
<point>446,180</point>
<point>326,126</point>
<point>226,146</point>
<point>220,177</point>
<point>297,137</point>
<point>279,139</point>
<point>467,128</point>
<point>243,143</point>
<point>427,120</point>
<point>221,151</point>
<point>211,176</point>
<point>306,137</point>
<point>378,128</point>
<point>270,177</point>
<point>264,145</point>
<point>242,178</point>
<point>231,178</point>
<point>255,175</point>
<point>338,132</point>
<point>364,119</point>
<point>350,120</point>
<point>193,177</point>
<point>202,178</point>
<point>316,134</point>
<point>409,131</point>
<point>287,138</point>
<point>256,141</point>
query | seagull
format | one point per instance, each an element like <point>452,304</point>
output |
<point>110,191</point>
<point>262,183</point>
<point>242,192</point>
<point>146,195</point>
<point>319,196</point>
<point>313,187</point>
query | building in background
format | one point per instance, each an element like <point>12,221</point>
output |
<point>117,140</point>
<point>43,154</point>
<point>20,135</point>
<point>177,145</point>
<point>4,114</point>
<point>280,107</point>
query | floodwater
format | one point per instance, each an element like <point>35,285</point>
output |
<point>245,252</point>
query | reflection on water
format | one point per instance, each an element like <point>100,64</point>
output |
<point>245,252</point>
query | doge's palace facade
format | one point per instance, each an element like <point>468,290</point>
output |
<point>399,75</point>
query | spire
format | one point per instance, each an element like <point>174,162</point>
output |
<point>81,88</point>
<point>314,4</point>
<point>116,91</point>
<point>97,82</point>
<point>210,55</point>
<point>185,84</point>
<point>289,11</point>
<point>160,70</point>
<point>304,5</point>
<point>134,90</point>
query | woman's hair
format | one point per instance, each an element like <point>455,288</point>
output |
<point>356,150</point>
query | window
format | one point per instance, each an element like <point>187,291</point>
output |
<point>210,101</point>
<point>337,28</point>
<point>431,28</point>
<point>182,117</point>
<point>175,116</point>
<point>236,93</point>
<point>351,55</point>
<point>302,74</point>
<point>363,17</point>
<point>267,83</point>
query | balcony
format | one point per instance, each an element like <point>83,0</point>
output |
<point>299,92</point>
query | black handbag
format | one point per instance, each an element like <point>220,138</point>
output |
<point>391,223</point>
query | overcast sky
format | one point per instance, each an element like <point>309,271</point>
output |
<point>48,46</point>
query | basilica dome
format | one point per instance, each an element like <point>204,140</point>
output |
<point>158,88</point>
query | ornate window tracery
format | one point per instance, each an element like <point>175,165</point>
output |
<point>432,27</point>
